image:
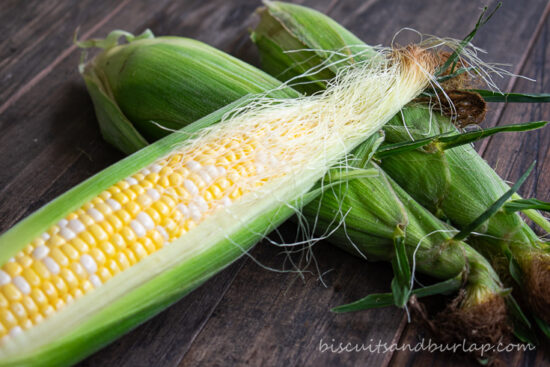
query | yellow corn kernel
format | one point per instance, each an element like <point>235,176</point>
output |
<point>3,301</point>
<point>60,284</point>
<point>223,183</point>
<point>38,241</point>
<point>170,226</point>
<point>59,257</point>
<point>70,252</point>
<point>98,256</point>
<point>132,208</point>
<point>115,222</point>
<point>104,208</point>
<point>7,318</point>
<point>18,310</point>
<point>40,269</point>
<point>31,277</point>
<point>105,195</point>
<point>113,267</point>
<point>137,189</point>
<point>157,238</point>
<point>53,230</point>
<point>130,195</point>
<point>26,324</point>
<point>86,220</point>
<point>153,214</point>
<point>148,245</point>
<point>121,198</point>
<point>152,177</point>
<point>79,245</point>
<point>144,200</point>
<point>113,190</point>
<point>69,278</point>
<point>97,200</point>
<point>123,185</point>
<point>47,310</point>
<point>118,241</point>
<point>58,304</point>
<point>77,293</point>
<point>37,318</point>
<point>139,250</point>
<point>108,249</point>
<point>87,286</point>
<point>55,241</point>
<point>11,292</point>
<point>30,305</point>
<point>79,271</point>
<point>164,181</point>
<point>104,274</point>
<point>197,180</point>
<point>13,268</point>
<point>124,216</point>
<point>161,208</point>
<point>122,261</point>
<point>128,235</point>
<point>88,238</point>
<point>39,297</point>
<point>130,256</point>
<point>98,232</point>
<point>107,227</point>
<point>207,196</point>
<point>25,260</point>
<point>3,330</point>
<point>49,290</point>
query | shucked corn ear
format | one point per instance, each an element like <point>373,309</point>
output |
<point>456,184</point>
<point>132,239</point>
<point>376,211</point>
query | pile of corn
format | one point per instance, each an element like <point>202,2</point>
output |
<point>249,152</point>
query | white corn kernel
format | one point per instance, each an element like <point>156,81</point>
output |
<point>115,205</point>
<point>67,234</point>
<point>52,266</point>
<point>95,214</point>
<point>22,284</point>
<point>193,165</point>
<point>138,228</point>
<point>145,220</point>
<point>191,187</point>
<point>4,277</point>
<point>40,252</point>
<point>76,225</point>
<point>88,263</point>
<point>154,194</point>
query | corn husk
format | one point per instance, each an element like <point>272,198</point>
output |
<point>455,184</point>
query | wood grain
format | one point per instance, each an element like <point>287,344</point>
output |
<point>245,315</point>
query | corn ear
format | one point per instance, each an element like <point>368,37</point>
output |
<point>455,184</point>
<point>126,81</point>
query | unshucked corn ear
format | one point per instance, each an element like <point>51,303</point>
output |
<point>456,184</point>
<point>378,214</point>
<point>132,239</point>
<point>128,84</point>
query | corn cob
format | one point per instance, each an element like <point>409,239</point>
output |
<point>129,241</point>
<point>455,184</point>
<point>372,223</point>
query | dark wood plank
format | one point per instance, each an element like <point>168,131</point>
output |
<point>40,37</point>
<point>275,319</point>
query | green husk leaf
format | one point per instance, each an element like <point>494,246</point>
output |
<point>525,204</point>
<point>465,232</point>
<point>451,139</point>
<point>401,282</point>
<point>492,96</point>
<point>387,299</point>
<point>543,326</point>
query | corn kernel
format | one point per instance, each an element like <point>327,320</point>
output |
<point>79,245</point>
<point>124,216</point>
<point>79,271</point>
<point>59,257</point>
<point>113,190</point>
<point>70,252</point>
<point>31,277</point>
<point>144,200</point>
<point>137,189</point>
<point>121,198</point>
<point>25,260</point>
<point>30,305</point>
<point>123,185</point>
<point>104,274</point>
<point>153,214</point>
<point>130,195</point>
<point>13,268</point>
<point>58,304</point>
<point>122,261</point>
<point>118,241</point>
<point>148,245</point>
<point>26,324</point>
<point>55,241</point>
<point>69,277</point>
<point>7,318</point>
<point>139,250</point>
<point>47,310</point>
<point>40,269</point>
<point>128,235</point>
<point>98,256</point>
<point>37,318</point>
<point>115,222</point>
<point>98,232</point>
<point>132,208</point>
<point>18,311</point>
<point>108,249</point>
<point>130,256</point>
<point>112,266</point>
<point>88,238</point>
<point>161,208</point>
<point>3,301</point>
<point>39,297</point>
<point>107,227</point>
<point>49,290</point>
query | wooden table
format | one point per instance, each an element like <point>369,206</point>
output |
<point>245,315</point>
